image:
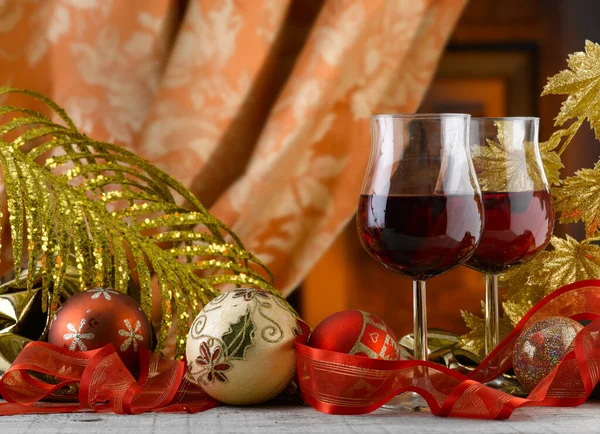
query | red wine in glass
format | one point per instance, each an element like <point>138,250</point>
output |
<point>518,215</point>
<point>420,211</point>
<point>517,226</point>
<point>419,236</point>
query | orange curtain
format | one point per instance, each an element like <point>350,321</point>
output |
<point>259,106</point>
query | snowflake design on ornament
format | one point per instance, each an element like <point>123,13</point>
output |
<point>131,334</point>
<point>77,336</point>
<point>212,365</point>
<point>102,291</point>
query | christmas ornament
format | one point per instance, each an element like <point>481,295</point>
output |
<point>98,317</point>
<point>576,198</point>
<point>331,382</point>
<point>342,384</point>
<point>240,348</point>
<point>69,196</point>
<point>356,332</point>
<point>541,346</point>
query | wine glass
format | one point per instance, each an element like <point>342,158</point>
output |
<point>420,210</point>
<point>519,218</point>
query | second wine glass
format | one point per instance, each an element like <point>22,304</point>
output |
<point>519,218</point>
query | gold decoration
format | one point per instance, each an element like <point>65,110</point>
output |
<point>117,215</point>
<point>439,342</point>
<point>473,341</point>
<point>581,82</point>
<point>567,262</point>
<point>497,164</point>
<point>21,317</point>
<point>444,347</point>
<point>578,199</point>
<point>551,161</point>
<point>575,199</point>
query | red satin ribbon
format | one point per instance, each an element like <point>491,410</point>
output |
<point>331,382</point>
<point>105,384</point>
<point>345,384</point>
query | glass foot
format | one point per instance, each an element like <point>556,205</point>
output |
<point>410,401</point>
<point>507,385</point>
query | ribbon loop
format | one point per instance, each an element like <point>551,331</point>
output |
<point>105,384</point>
<point>331,382</point>
<point>345,384</point>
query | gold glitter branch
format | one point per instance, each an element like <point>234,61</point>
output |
<point>75,201</point>
<point>576,199</point>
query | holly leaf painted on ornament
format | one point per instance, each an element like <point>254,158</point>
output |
<point>239,337</point>
<point>578,199</point>
<point>581,82</point>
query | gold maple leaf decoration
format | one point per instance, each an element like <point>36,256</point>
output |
<point>506,165</point>
<point>568,261</point>
<point>473,341</point>
<point>575,199</point>
<point>581,82</point>
<point>551,162</point>
<point>578,199</point>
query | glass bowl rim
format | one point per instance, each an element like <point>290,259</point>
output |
<point>505,118</point>
<point>419,115</point>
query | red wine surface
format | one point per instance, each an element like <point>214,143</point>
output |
<point>419,236</point>
<point>517,226</point>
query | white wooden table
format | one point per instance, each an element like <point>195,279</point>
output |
<point>285,419</point>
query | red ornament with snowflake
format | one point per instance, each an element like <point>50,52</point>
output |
<point>356,332</point>
<point>92,319</point>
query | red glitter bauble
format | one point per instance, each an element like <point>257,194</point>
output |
<point>92,319</point>
<point>356,332</point>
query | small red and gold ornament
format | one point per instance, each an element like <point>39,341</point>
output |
<point>356,332</point>
<point>92,319</point>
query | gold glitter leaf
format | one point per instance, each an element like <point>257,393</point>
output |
<point>473,341</point>
<point>551,162</point>
<point>515,311</point>
<point>508,165</point>
<point>578,199</point>
<point>568,261</point>
<point>581,82</point>
<point>95,208</point>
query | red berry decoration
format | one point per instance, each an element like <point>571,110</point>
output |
<point>92,319</point>
<point>356,332</point>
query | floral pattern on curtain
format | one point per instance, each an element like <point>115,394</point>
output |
<point>259,106</point>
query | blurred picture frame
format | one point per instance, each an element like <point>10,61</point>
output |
<point>484,82</point>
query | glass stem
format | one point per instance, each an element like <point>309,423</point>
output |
<point>420,320</point>
<point>492,319</point>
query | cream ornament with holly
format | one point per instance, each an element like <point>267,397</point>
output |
<point>240,348</point>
